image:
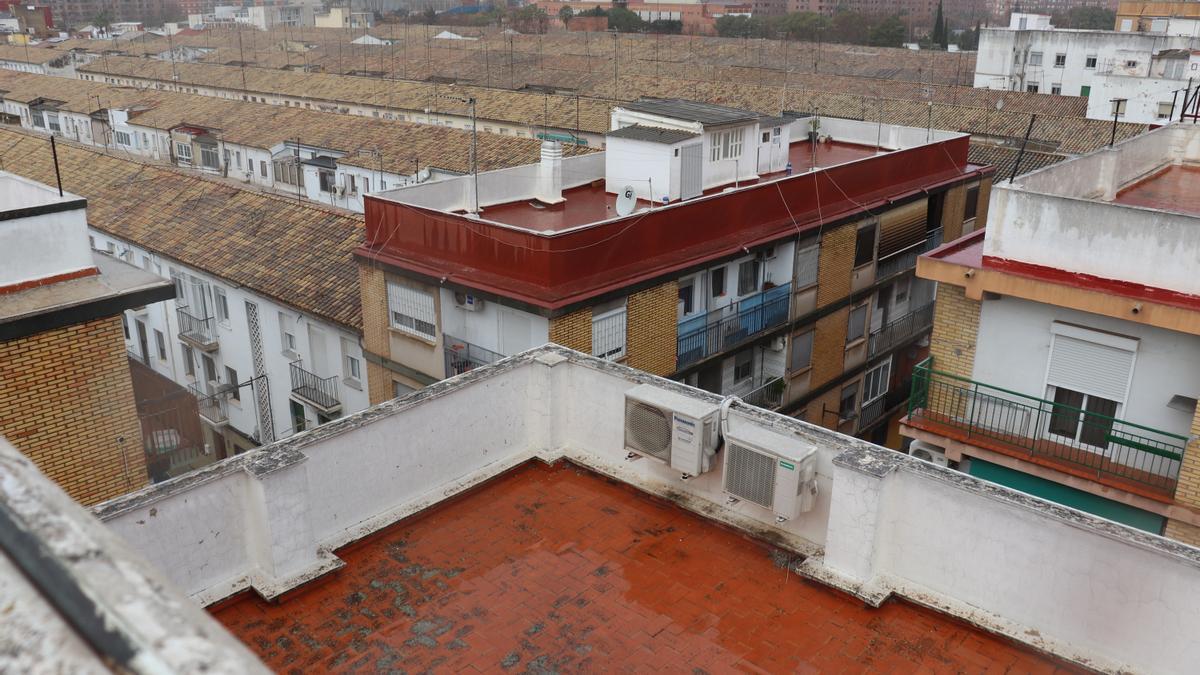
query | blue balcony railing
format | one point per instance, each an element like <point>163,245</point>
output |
<point>726,328</point>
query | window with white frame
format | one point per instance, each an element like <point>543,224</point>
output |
<point>209,158</point>
<point>1060,60</point>
<point>725,145</point>
<point>1165,109</point>
<point>856,327</point>
<point>184,151</point>
<point>411,310</point>
<point>351,364</point>
<point>875,382</point>
<point>1035,58</point>
<point>608,330</point>
<point>160,341</point>
<point>802,344</point>
<point>743,365</point>
<point>222,304</point>
<point>1090,62</point>
<point>1088,379</point>
<point>748,276</point>
<point>287,334</point>
<point>122,138</point>
<point>806,265</point>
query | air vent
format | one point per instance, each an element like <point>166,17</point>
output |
<point>647,430</point>
<point>751,475</point>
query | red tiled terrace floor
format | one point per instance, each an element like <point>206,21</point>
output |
<point>589,204</point>
<point>1172,189</point>
<point>555,569</point>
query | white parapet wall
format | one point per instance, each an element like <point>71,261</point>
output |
<point>883,523</point>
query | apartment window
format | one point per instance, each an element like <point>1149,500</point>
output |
<point>210,368</point>
<point>1118,107</point>
<point>1174,70</point>
<point>39,120</point>
<point>1031,88</point>
<point>1060,60</point>
<point>609,330</point>
<point>716,282</point>
<point>366,185</point>
<point>972,206</point>
<point>180,298</point>
<point>353,183</point>
<point>1090,62</point>
<point>802,344</point>
<point>262,168</point>
<point>183,151</point>
<point>1085,90</point>
<point>1131,63</point>
<point>400,389</point>
<point>125,326</point>
<point>231,376</point>
<point>875,382</point>
<point>864,245</point>
<point>1035,58</point>
<point>807,260</point>
<point>237,158</point>
<point>122,138</point>
<point>411,310</point>
<point>1016,58</point>
<point>92,242</point>
<point>1165,110</point>
<point>856,327</point>
<point>743,365</point>
<point>725,145</point>
<point>1088,379</point>
<point>748,277</point>
<point>848,402</point>
<point>160,341</point>
<point>1056,89</point>
<point>326,180</point>
<point>189,362</point>
<point>351,365</point>
<point>297,410</point>
<point>222,304</point>
<point>146,262</point>
<point>687,293</point>
<point>208,157</point>
<point>287,334</point>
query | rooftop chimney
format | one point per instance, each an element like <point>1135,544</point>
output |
<point>549,186</point>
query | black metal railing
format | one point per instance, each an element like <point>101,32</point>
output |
<point>881,407</point>
<point>769,395</point>
<point>197,330</point>
<point>896,332</point>
<point>906,259</point>
<point>462,356</point>
<point>728,327</point>
<point>1018,423</point>
<point>213,407</point>
<point>320,391</point>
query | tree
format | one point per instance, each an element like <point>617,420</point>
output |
<point>102,19</point>
<point>665,26</point>
<point>1094,18</point>
<point>888,33</point>
<point>739,26</point>
<point>968,41</point>
<point>625,21</point>
<point>565,14</point>
<point>939,36</point>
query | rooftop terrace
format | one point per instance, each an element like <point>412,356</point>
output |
<point>1172,188</point>
<point>555,568</point>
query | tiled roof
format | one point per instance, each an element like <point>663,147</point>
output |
<point>296,253</point>
<point>400,146</point>
<point>691,111</point>
<point>1004,157</point>
<point>638,132</point>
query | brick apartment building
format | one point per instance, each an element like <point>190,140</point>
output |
<point>749,265</point>
<point>66,397</point>
<point>1065,353</point>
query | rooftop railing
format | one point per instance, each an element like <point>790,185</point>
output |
<point>213,407</point>
<point>906,259</point>
<point>322,392</point>
<point>769,395</point>
<point>202,332</point>
<point>727,327</point>
<point>462,356</point>
<point>1022,425</point>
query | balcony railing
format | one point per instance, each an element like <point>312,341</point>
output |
<point>321,392</point>
<point>906,259</point>
<point>213,407</point>
<point>878,409</point>
<point>462,356</point>
<point>202,333</point>
<point>1019,425</point>
<point>728,327</point>
<point>769,395</point>
<point>896,332</point>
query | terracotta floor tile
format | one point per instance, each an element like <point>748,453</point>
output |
<point>556,569</point>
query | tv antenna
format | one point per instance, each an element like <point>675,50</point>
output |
<point>626,201</point>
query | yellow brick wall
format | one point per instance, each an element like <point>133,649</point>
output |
<point>573,330</point>
<point>835,262</point>
<point>66,400</point>
<point>1181,531</point>
<point>829,347</point>
<point>985,197</point>
<point>373,294</point>
<point>651,329</point>
<point>953,207</point>
<point>1187,492</point>
<point>955,331</point>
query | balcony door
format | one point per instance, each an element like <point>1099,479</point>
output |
<point>1082,418</point>
<point>318,362</point>
<point>1087,379</point>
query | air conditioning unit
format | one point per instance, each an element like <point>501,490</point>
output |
<point>468,302</point>
<point>341,190</point>
<point>672,428</point>
<point>776,344</point>
<point>929,453</point>
<point>773,471</point>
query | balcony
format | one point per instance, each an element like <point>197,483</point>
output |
<point>725,328</point>
<point>906,259</point>
<point>882,407</point>
<point>197,332</point>
<point>319,392</point>
<point>769,395</point>
<point>462,356</point>
<point>213,407</point>
<point>897,332</point>
<point>1105,449</point>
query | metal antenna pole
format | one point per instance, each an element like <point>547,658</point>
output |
<point>474,156</point>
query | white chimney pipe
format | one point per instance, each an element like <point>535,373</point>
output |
<point>549,187</point>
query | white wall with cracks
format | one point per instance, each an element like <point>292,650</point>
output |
<point>1083,588</point>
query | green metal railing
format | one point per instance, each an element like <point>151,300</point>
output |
<point>1098,443</point>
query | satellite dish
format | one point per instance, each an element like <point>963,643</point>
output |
<point>626,201</point>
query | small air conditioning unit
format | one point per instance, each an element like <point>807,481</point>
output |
<point>929,453</point>
<point>771,470</point>
<point>672,428</point>
<point>776,344</point>
<point>468,302</point>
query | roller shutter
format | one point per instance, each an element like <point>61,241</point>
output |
<point>902,227</point>
<point>1090,367</point>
